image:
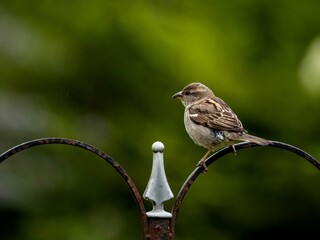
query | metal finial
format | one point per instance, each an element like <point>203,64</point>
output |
<point>158,189</point>
<point>158,147</point>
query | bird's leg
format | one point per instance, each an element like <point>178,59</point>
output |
<point>233,149</point>
<point>202,161</point>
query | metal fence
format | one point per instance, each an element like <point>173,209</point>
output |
<point>157,223</point>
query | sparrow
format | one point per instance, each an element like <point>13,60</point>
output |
<point>210,122</point>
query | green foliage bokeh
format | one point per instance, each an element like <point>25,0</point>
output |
<point>104,72</point>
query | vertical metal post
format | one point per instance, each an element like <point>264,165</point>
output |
<point>159,228</point>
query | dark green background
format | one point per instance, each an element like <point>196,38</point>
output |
<point>104,72</point>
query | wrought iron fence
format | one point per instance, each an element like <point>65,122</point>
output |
<point>156,224</point>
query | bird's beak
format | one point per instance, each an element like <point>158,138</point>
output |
<point>178,95</point>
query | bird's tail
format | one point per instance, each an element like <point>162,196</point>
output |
<point>250,138</point>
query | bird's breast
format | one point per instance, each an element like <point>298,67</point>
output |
<point>201,135</point>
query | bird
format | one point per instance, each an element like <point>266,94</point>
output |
<point>210,122</point>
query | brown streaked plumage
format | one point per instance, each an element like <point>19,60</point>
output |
<point>210,122</point>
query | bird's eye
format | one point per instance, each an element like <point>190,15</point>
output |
<point>187,93</point>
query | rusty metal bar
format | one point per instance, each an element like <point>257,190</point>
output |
<point>160,228</point>
<point>217,155</point>
<point>108,159</point>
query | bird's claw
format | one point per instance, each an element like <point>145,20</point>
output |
<point>203,164</point>
<point>234,149</point>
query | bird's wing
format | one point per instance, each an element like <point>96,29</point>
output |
<point>216,114</point>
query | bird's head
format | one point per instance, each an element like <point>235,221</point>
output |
<point>192,93</point>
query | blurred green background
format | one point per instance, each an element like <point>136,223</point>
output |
<point>104,72</point>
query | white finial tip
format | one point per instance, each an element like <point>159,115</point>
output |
<point>158,147</point>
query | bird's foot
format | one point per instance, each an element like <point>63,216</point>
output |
<point>234,149</point>
<point>202,163</point>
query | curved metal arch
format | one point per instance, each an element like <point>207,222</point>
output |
<point>217,155</point>
<point>101,154</point>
